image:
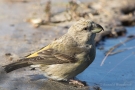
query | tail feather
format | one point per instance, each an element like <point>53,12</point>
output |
<point>16,65</point>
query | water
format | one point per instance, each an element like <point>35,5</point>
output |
<point>117,73</point>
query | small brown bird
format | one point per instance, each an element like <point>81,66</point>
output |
<point>67,56</point>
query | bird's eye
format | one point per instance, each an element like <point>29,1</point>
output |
<point>86,28</point>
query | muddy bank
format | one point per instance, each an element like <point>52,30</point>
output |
<point>113,15</point>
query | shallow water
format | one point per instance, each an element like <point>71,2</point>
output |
<point>117,73</point>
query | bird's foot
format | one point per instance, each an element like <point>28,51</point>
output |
<point>77,83</point>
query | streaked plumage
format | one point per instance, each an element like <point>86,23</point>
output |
<point>67,56</point>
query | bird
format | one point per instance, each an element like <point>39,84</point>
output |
<point>65,57</point>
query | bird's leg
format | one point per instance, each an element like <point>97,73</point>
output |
<point>77,82</point>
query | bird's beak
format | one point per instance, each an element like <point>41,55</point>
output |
<point>97,28</point>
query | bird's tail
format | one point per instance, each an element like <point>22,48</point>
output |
<point>16,65</point>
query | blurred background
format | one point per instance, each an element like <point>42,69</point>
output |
<point>28,25</point>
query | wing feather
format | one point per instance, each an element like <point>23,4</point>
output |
<point>51,56</point>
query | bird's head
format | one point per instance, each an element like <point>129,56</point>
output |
<point>84,31</point>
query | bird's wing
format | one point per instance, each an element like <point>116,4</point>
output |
<point>44,56</point>
<point>36,53</point>
<point>50,56</point>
